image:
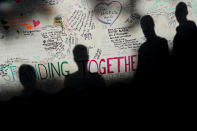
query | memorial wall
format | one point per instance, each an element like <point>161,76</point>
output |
<point>43,33</point>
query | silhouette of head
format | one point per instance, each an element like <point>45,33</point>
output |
<point>148,25</point>
<point>27,76</point>
<point>181,12</point>
<point>80,54</point>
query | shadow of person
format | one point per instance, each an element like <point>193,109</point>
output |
<point>184,47</point>
<point>153,56</point>
<point>83,79</point>
<point>186,32</point>
<point>27,77</point>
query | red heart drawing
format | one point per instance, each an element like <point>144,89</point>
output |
<point>36,23</point>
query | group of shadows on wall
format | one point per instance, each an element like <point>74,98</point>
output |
<point>159,72</point>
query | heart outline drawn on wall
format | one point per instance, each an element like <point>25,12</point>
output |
<point>108,4</point>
